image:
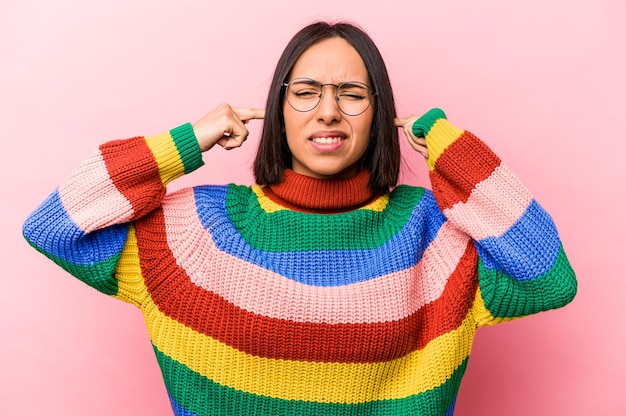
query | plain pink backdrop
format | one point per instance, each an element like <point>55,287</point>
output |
<point>541,81</point>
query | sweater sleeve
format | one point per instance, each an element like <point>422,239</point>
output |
<point>522,267</point>
<point>85,224</point>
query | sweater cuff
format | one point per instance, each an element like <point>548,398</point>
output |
<point>176,152</point>
<point>422,125</point>
<point>439,134</point>
<point>187,146</point>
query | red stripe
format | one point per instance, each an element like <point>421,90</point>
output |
<point>134,172</point>
<point>464,164</point>
<point>210,314</point>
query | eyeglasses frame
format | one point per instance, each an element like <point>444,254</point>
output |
<point>337,86</point>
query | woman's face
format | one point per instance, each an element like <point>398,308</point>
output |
<point>324,142</point>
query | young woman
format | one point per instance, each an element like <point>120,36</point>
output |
<point>326,288</point>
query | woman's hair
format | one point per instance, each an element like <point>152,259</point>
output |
<point>382,156</point>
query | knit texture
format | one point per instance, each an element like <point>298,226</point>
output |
<point>309,297</point>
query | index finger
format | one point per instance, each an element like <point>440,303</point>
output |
<point>250,113</point>
<point>402,121</point>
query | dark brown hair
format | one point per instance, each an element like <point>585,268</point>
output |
<point>382,156</point>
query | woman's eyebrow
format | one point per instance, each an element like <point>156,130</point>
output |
<point>306,81</point>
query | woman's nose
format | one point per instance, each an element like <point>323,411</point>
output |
<point>328,108</point>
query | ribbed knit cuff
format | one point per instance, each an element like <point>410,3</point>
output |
<point>422,125</point>
<point>187,146</point>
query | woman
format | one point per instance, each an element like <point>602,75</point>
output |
<point>324,289</point>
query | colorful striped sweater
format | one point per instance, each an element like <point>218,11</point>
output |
<point>310,297</point>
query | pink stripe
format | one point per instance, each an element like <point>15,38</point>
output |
<point>91,199</point>
<point>494,205</point>
<point>395,296</point>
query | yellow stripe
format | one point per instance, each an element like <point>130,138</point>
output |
<point>167,157</point>
<point>379,204</point>
<point>482,315</point>
<point>350,383</point>
<point>440,136</point>
<point>269,206</point>
<point>131,288</point>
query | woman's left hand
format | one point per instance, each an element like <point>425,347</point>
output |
<point>417,143</point>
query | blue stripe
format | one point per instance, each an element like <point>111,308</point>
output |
<point>51,230</point>
<point>450,411</point>
<point>525,251</point>
<point>324,267</point>
<point>178,409</point>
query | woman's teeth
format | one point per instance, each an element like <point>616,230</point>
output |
<point>327,140</point>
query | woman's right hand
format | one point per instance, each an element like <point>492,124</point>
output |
<point>225,125</point>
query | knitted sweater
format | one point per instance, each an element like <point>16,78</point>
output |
<point>309,297</point>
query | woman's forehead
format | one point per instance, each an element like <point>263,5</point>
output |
<point>332,60</point>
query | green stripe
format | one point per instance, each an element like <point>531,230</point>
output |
<point>187,146</point>
<point>327,232</point>
<point>203,397</point>
<point>421,127</point>
<point>506,297</point>
<point>100,275</point>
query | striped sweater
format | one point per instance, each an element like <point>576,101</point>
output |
<point>309,297</point>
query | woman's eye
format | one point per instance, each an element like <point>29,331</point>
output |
<point>306,93</point>
<point>352,96</point>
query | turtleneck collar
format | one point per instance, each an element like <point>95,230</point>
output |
<point>304,193</point>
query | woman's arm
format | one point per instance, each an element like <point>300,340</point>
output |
<point>86,223</point>
<point>522,266</point>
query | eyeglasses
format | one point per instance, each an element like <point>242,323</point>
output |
<point>304,94</point>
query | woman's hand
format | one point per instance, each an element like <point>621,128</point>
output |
<point>417,143</point>
<point>225,125</point>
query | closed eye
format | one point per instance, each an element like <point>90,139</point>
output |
<point>306,93</point>
<point>351,96</point>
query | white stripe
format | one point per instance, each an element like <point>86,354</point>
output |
<point>494,205</point>
<point>91,199</point>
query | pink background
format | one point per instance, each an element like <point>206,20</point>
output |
<point>541,81</point>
